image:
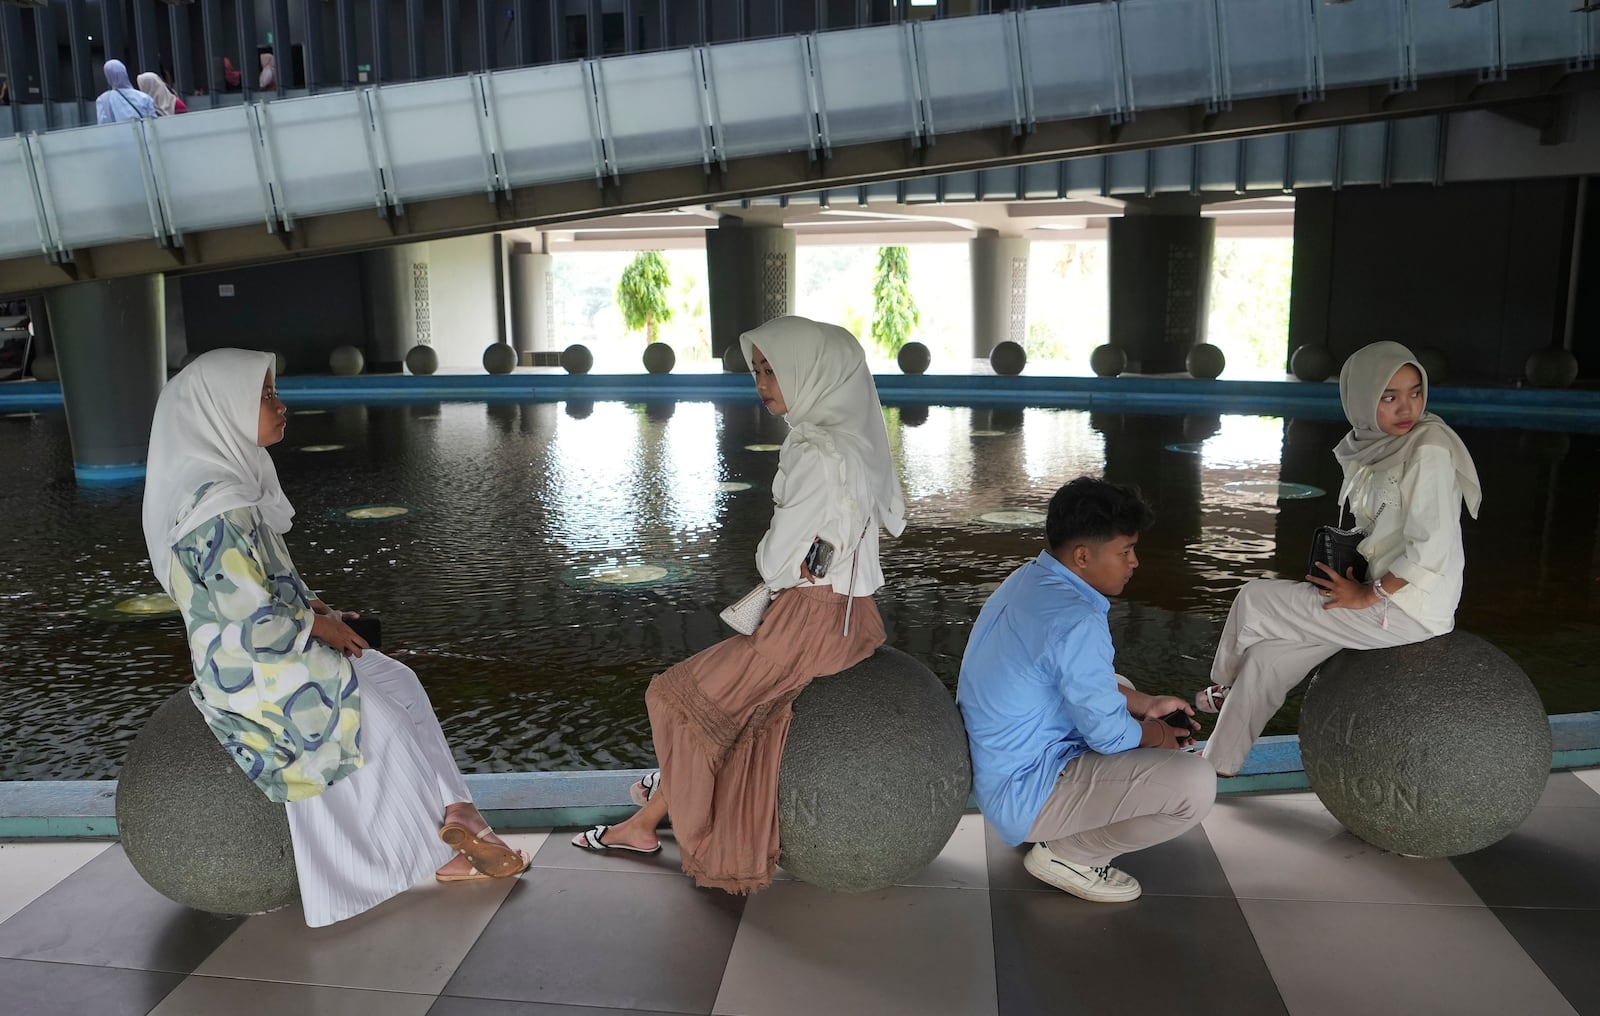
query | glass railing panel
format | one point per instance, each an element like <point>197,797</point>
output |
<point>1364,153</point>
<point>1072,61</point>
<point>1041,180</point>
<point>1360,42</point>
<point>96,185</point>
<point>432,131</point>
<point>1414,150</point>
<point>761,100</point>
<point>1265,46</point>
<point>654,110</point>
<point>1218,164</point>
<point>545,123</point>
<point>320,153</point>
<point>865,85</point>
<point>1266,162</point>
<point>1315,152</point>
<point>972,75</point>
<point>1126,173</point>
<point>1542,31</point>
<point>1453,40</point>
<point>208,166</point>
<point>1087,176</point>
<point>19,233</point>
<point>1169,46</point>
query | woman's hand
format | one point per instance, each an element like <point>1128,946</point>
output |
<point>330,629</point>
<point>805,573</point>
<point>318,607</point>
<point>1342,591</point>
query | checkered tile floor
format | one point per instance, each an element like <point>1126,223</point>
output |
<point>1269,907</point>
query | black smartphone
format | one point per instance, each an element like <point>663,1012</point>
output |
<point>369,627</point>
<point>819,557</point>
<point>1180,719</point>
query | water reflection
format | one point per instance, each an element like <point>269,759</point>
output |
<point>530,671</point>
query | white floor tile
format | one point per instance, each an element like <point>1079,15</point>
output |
<point>29,870</point>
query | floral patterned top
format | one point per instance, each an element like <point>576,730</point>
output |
<point>286,708</point>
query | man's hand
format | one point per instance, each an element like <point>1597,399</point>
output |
<point>1157,734</point>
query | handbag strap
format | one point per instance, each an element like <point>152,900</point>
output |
<point>855,558</point>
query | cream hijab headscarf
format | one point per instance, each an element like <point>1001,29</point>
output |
<point>1367,451</point>
<point>151,84</point>
<point>833,405</point>
<point>204,431</point>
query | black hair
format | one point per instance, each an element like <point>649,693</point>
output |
<point>1092,510</point>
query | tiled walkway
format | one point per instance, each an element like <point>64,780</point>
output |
<point>1270,907</point>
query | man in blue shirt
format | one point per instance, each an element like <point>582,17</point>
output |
<point>1066,753</point>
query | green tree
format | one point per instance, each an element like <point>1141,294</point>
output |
<point>894,312</point>
<point>642,293</point>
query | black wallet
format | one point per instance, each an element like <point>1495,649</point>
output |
<point>1336,548</point>
<point>369,627</point>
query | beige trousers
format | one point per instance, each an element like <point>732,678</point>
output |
<point>1106,805</point>
<point>1277,632</point>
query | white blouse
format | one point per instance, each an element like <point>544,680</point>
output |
<point>1417,534</point>
<point>808,503</point>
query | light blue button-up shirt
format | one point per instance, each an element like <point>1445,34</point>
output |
<point>1037,690</point>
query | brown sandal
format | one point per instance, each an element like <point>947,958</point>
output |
<point>493,860</point>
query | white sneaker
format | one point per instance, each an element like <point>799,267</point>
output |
<point>1096,883</point>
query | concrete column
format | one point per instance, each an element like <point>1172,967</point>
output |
<point>532,283</point>
<point>999,290</point>
<point>750,276</point>
<point>1160,282</point>
<point>398,300</point>
<point>111,349</point>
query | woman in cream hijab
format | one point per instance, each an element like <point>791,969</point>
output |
<point>167,104</point>
<point>1406,476</point>
<point>342,734</point>
<point>720,718</point>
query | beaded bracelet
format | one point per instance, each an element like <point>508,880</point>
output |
<point>1384,598</point>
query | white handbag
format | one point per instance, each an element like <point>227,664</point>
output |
<point>744,614</point>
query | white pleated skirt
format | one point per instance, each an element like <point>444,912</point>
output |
<point>375,834</point>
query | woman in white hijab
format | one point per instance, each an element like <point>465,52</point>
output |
<point>1406,476</point>
<point>342,734</point>
<point>720,718</point>
<point>167,104</point>
<point>121,102</point>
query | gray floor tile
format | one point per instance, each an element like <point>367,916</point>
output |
<point>1284,848</point>
<point>1564,943</point>
<point>604,938</point>
<point>1333,959</point>
<point>1548,862</point>
<point>28,870</point>
<point>905,950</point>
<point>210,996</point>
<point>1055,954</point>
<point>1566,790</point>
<point>448,1006</point>
<point>558,852</point>
<point>962,864</point>
<point>411,943</point>
<point>64,989</point>
<point>1186,866</point>
<point>69,924</point>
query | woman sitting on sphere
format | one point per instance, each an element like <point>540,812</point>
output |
<point>341,733</point>
<point>1406,474</point>
<point>720,718</point>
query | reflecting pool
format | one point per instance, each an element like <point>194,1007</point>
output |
<point>541,561</point>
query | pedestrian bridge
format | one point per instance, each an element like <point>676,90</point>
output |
<point>536,145</point>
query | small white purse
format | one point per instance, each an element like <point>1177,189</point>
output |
<point>744,614</point>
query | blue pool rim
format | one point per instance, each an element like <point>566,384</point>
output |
<point>86,809</point>
<point>108,474</point>
<point>1531,408</point>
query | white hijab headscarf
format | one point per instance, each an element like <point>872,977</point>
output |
<point>833,405</point>
<point>205,431</point>
<point>151,84</point>
<point>1367,450</point>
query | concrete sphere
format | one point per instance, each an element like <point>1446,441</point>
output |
<point>659,358</point>
<point>733,360</point>
<point>422,360</point>
<point>914,358</point>
<point>1435,363</point>
<point>1108,361</point>
<point>576,359</point>
<point>1548,368</point>
<point>500,359</point>
<point>280,364</point>
<point>1205,361</point>
<point>1313,363</point>
<point>346,360</point>
<point>44,368</point>
<point>874,776</point>
<point>1008,358</point>
<point>1432,749</point>
<point>194,826</point>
